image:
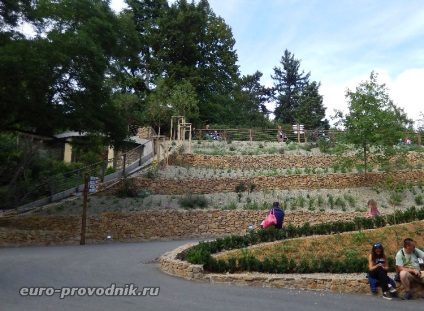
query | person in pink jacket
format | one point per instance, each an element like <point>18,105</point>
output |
<point>372,207</point>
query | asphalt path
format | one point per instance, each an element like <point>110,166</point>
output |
<point>93,266</point>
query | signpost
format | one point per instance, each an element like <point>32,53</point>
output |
<point>90,185</point>
<point>298,129</point>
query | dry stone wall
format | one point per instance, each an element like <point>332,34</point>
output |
<point>269,161</point>
<point>171,263</point>
<point>302,181</point>
<point>145,225</point>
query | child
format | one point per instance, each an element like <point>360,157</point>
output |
<point>372,206</point>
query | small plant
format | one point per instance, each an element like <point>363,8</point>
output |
<point>143,193</point>
<point>110,170</point>
<point>301,201</point>
<point>419,199</point>
<point>350,199</point>
<point>331,201</point>
<point>153,170</point>
<point>340,202</point>
<point>240,187</point>
<point>292,146</point>
<point>395,198</point>
<point>311,203</point>
<point>230,206</point>
<point>335,168</point>
<point>359,237</point>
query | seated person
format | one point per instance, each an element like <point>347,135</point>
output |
<point>377,269</point>
<point>408,262</point>
<point>372,207</point>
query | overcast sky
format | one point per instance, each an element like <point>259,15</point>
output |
<point>338,42</point>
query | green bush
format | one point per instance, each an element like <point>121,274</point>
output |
<point>110,170</point>
<point>127,188</point>
<point>419,200</point>
<point>193,200</point>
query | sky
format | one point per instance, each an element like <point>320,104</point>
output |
<point>339,42</point>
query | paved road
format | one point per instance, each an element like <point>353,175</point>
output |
<point>121,264</point>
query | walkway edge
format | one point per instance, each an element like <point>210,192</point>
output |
<point>353,283</point>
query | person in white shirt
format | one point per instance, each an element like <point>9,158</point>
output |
<point>408,262</point>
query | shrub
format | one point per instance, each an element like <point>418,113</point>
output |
<point>127,188</point>
<point>192,201</point>
<point>143,193</point>
<point>419,200</point>
<point>110,170</point>
<point>240,187</point>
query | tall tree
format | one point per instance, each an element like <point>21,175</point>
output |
<point>147,16</point>
<point>184,100</point>
<point>311,112</point>
<point>56,80</point>
<point>289,85</point>
<point>199,47</point>
<point>187,42</point>
<point>372,120</point>
<point>251,98</point>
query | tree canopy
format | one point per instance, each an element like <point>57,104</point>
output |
<point>298,100</point>
<point>372,120</point>
<point>55,80</point>
<point>85,68</point>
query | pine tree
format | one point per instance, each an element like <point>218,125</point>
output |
<point>289,85</point>
<point>311,112</point>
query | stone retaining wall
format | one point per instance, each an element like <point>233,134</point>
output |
<point>350,283</point>
<point>269,161</point>
<point>145,225</point>
<point>301,181</point>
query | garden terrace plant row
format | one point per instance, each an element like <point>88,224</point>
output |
<point>202,253</point>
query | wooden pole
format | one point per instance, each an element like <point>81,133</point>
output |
<point>298,133</point>
<point>189,139</point>
<point>84,211</point>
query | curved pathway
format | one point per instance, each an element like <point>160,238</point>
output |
<point>135,263</point>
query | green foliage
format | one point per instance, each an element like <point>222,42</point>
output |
<point>353,262</point>
<point>127,188</point>
<point>373,120</point>
<point>419,199</point>
<point>230,206</point>
<point>240,187</point>
<point>191,200</point>
<point>110,170</point>
<point>56,79</point>
<point>298,99</point>
<point>143,193</point>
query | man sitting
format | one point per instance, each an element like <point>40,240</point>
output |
<point>408,262</point>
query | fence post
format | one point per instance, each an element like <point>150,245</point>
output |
<point>84,211</point>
